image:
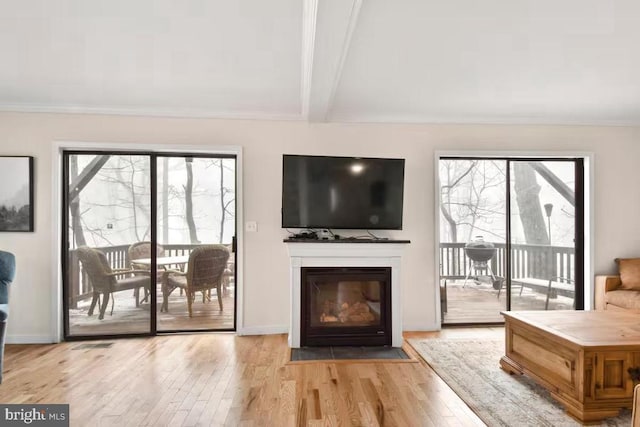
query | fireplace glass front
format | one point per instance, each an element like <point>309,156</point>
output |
<point>346,306</point>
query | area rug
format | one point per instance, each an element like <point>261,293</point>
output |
<point>472,369</point>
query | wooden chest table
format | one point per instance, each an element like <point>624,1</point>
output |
<point>582,357</point>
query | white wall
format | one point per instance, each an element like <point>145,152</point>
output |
<point>617,199</point>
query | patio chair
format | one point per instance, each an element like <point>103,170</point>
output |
<point>205,271</point>
<point>229,274</point>
<point>141,250</point>
<point>106,280</point>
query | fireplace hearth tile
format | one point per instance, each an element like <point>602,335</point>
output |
<point>347,353</point>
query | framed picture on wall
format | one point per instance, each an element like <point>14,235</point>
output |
<point>16,193</point>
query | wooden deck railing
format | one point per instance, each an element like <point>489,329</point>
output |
<point>79,284</point>
<point>535,261</point>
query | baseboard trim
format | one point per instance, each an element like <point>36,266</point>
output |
<point>29,339</point>
<point>264,330</point>
<point>420,328</point>
<point>276,329</point>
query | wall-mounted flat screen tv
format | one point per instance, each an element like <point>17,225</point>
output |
<point>342,192</point>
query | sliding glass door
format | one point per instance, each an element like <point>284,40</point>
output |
<point>196,211</point>
<point>149,243</point>
<point>472,239</point>
<point>510,237</point>
<point>108,209</point>
<point>544,235</point>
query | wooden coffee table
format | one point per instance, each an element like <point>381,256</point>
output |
<point>582,357</point>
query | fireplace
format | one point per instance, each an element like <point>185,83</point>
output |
<point>345,254</point>
<point>345,306</point>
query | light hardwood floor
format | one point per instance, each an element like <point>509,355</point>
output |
<point>222,379</point>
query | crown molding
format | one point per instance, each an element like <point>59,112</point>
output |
<point>151,112</point>
<point>408,119</point>
<point>416,119</point>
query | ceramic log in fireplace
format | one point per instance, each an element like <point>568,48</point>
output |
<point>345,306</point>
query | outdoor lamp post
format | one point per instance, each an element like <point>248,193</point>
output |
<point>548,208</point>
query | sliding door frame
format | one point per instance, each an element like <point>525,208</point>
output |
<point>158,156</point>
<point>584,225</point>
<point>578,241</point>
<point>65,246</point>
<point>58,303</point>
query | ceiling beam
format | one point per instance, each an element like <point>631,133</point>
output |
<point>309,16</point>
<point>327,29</point>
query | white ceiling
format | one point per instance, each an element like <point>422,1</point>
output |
<point>465,61</point>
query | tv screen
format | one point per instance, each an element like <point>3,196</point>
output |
<point>342,192</point>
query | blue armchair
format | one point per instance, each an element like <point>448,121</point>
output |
<point>7,273</point>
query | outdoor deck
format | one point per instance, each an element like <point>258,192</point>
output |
<point>478,302</point>
<point>129,319</point>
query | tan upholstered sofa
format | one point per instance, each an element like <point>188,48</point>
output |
<point>609,295</point>
<point>620,292</point>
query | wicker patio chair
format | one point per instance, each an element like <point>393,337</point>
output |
<point>229,274</point>
<point>106,280</point>
<point>204,272</point>
<point>141,250</point>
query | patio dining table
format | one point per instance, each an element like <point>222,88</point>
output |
<point>165,260</point>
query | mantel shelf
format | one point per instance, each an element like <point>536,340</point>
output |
<point>345,241</point>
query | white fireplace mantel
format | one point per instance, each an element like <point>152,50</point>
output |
<point>345,254</point>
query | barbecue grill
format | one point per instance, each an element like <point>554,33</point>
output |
<point>480,253</point>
